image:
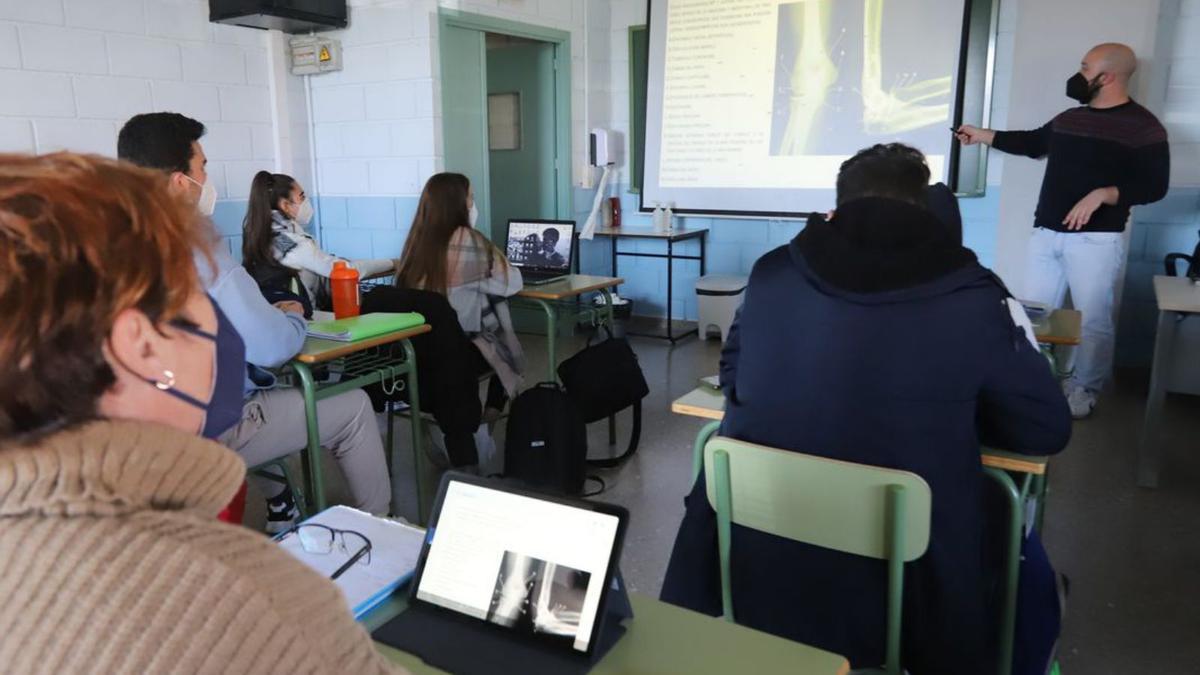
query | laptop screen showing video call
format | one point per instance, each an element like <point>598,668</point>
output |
<point>532,566</point>
<point>544,246</point>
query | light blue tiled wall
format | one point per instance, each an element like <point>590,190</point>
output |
<point>376,227</point>
<point>733,246</point>
<point>351,227</point>
<point>365,227</point>
<point>362,227</point>
<point>1169,226</point>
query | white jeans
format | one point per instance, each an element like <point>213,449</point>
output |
<point>1089,263</point>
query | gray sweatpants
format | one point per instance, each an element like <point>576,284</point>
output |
<point>272,426</point>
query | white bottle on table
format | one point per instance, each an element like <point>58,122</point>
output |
<point>658,218</point>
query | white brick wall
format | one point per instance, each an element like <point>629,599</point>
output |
<point>98,136</point>
<point>392,77</point>
<point>342,177</point>
<point>393,100</point>
<point>16,135</point>
<point>144,57</point>
<point>111,98</point>
<point>72,72</point>
<point>120,16</point>
<point>394,176</point>
<point>225,142</point>
<point>205,62</point>
<point>62,49</point>
<point>339,104</point>
<point>178,19</point>
<point>245,104</point>
<point>36,94</point>
<point>10,49</point>
<point>42,11</point>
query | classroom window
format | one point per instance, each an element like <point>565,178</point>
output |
<point>504,121</point>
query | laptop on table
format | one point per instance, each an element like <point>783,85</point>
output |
<point>513,581</point>
<point>541,249</point>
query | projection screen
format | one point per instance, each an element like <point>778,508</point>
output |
<point>752,105</point>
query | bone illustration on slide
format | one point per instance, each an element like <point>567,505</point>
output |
<point>812,74</point>
<point>903,106</point>
<point>813,79</point>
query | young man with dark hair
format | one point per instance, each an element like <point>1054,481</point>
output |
<point>166,140</point>
<point>1103,157</point>
<point>875,338</point>
<point>546,254</point>
<point>272,424</point>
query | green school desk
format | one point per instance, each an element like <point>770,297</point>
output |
<point>1177,299</point>
<point>552,295</point>
<point>361,362</point>
<point>709,403</point>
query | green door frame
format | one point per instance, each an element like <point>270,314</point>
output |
<point>562,89</point>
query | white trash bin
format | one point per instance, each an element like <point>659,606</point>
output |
<point>717,299</point>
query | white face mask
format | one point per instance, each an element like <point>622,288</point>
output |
<point>473,215</point>
<point>208,196</point>
<point>304,213</point>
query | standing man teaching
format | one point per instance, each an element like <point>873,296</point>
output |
<point>1103,157</point>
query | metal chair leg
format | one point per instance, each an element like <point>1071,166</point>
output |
<point>1008,614</point>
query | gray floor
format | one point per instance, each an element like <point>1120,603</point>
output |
<point>1133,555</point>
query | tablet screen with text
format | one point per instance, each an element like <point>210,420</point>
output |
<point>533,566</point>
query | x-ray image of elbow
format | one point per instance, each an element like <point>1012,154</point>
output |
<point>838,87</point>
<point>536,596</point>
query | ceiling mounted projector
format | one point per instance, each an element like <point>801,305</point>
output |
<point>289,16</point>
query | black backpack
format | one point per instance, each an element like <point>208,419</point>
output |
<point>545,446</point>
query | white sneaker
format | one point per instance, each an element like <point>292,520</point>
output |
<point>1081,402</point>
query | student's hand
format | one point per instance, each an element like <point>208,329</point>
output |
<point>1082,213</point>
<point>969,135</point>
<point>290,306</point>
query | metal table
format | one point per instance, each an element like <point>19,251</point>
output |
<point>671,238</point>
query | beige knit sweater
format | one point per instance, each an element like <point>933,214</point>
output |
<point>112,561</point>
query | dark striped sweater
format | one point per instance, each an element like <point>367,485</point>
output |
<point>1087,148</point>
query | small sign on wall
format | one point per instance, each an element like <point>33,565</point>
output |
<point>504,121</point>
<point>312,55</point>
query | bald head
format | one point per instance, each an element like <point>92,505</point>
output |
<point>1110,57</point>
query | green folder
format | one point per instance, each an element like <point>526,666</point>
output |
<point>365,326</point>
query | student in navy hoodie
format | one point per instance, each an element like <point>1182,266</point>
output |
<point>875,337</point>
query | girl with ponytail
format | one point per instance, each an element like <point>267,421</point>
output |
<point>277,250</point>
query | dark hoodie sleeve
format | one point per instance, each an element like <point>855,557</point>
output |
<point>730,352</point>
<point>1021,405</point>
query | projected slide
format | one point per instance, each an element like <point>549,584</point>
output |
<point>753,104</point>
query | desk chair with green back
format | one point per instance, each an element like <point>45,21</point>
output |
<point>880,513</point>
<point>1014,497</point>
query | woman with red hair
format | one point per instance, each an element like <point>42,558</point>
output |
<point>115,368</point>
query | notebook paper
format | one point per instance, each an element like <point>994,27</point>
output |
<point>394,551</point>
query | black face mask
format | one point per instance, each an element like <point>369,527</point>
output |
<point>1081,90</point>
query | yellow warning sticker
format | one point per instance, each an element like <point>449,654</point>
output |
<point>325,55</point>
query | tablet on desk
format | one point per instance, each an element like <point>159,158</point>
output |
<point>506,575</point>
